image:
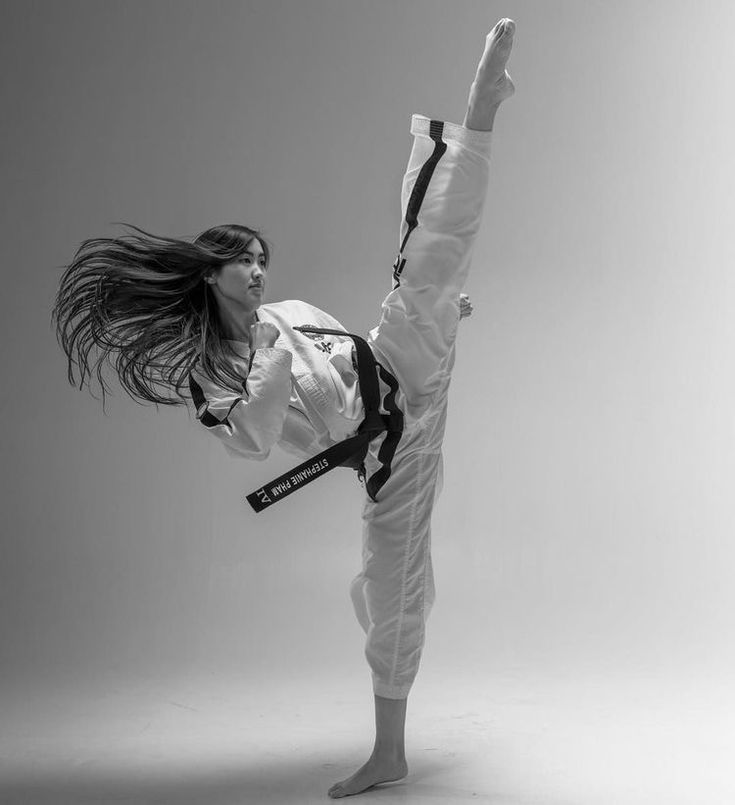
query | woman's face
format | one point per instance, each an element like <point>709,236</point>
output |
<point>243,280</point>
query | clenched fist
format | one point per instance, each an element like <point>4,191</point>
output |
<point>465,306</point>
<point>263,334</point>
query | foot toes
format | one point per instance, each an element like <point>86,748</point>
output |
<point>502,31</point>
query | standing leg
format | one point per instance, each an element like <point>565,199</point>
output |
<point>392,599</point>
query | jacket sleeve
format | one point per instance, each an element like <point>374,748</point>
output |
<point>250,424</point>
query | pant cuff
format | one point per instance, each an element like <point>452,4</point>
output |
<point>390,691</point>
<point>478,141</point>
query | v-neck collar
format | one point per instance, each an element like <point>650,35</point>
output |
<point>245,344</point>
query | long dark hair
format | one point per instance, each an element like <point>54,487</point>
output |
<point>142,299</point>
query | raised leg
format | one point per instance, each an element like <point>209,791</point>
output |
<point>493,83</point>
<point>442,205</point>
<point>442,201</point>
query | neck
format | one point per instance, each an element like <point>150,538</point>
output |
<point>237,321</point>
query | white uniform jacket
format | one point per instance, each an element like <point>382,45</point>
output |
<point>301,394</point>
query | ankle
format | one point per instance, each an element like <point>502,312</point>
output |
<point>481,121</point>
<point>389,750</point>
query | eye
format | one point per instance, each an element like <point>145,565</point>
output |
<point>247,259</point>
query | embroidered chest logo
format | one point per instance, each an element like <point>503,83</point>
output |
<point>319,342</point>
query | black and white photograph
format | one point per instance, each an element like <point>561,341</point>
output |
<point>369,402</point>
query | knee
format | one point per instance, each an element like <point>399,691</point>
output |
<point>356,591</point>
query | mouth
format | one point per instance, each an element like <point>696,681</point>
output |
<point>256,287</point>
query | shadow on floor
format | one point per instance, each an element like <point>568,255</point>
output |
<point>281,781</point>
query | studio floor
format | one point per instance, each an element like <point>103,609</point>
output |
<point>509,739</point>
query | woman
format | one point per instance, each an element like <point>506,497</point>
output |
<point>174,312</point>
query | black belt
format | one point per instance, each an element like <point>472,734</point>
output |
<point>350,452</point>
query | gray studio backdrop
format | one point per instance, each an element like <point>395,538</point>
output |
<point>586,519</point>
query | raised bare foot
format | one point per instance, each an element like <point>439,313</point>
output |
<point>492,83</point>
<point>378,769</point>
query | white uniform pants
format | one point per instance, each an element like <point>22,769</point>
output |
<point>442,200</point>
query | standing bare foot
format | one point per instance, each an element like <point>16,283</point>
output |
<point>492,83</point>
<point>378,769</point>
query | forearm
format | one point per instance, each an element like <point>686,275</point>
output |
<point>251,423</point>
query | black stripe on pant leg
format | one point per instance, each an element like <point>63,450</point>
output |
<point>436,129</point>
<point>394,421</point>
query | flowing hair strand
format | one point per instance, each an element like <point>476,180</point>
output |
<point>139,301</point>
